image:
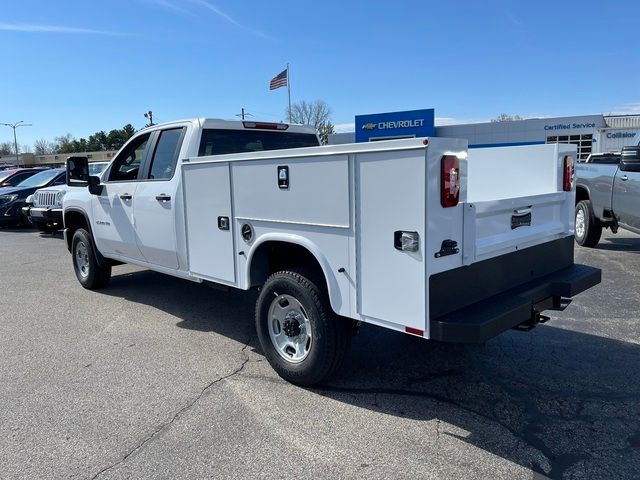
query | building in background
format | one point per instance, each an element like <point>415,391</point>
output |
<point>54,160</point>
<point>590,133</point>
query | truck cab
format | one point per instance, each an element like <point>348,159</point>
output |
<point>134,217</point>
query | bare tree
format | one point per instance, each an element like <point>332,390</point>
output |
<point>44,147</point>
<point>316,114</point>
<point>506,117</point>
<point>6,148</point>
<point>25,148</point>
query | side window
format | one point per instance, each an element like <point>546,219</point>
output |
<point>61,180</point>
<point>165,156</point>
<point>127,164</point>
<point>15,180</point>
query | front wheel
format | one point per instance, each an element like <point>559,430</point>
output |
<point>588,229</point>
<point>302,338</point>
<point>89,272</point>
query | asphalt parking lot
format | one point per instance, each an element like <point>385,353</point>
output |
<point>156,377</point>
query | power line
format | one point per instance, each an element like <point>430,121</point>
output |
<point>267,114</point>
<point>243,114</point>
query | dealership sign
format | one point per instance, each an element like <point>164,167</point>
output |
<point>569,126</point>
<point>621,134</point>
<point>412,123</point>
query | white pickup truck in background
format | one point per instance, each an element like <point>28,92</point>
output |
<point>420,235</point>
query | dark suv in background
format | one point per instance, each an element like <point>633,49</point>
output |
<point>12,198</point>
<point>13,176</point>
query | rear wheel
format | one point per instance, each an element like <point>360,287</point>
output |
<point>89,272</point>
<point>588,229</point>
<point>302,338</point>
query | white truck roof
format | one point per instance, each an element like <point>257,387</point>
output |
<point>239,125</point>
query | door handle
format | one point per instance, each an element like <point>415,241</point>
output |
<point>125,196</point>
<point>163,197</point>
<point>223,223</point>
<point>624,178</point>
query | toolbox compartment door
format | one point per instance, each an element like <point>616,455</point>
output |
<point>390,197</point>
<point>209,226</point>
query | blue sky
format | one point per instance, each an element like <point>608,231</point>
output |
<point>78,66</point>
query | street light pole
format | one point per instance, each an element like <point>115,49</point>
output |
<point>149,115</point>
<point>15,138</point>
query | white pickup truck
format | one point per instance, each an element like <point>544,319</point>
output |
<point>420,235</point>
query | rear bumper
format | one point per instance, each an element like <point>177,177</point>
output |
<point>486,319</point>
<point>499,298</point>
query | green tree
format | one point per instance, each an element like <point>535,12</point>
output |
<point>99,141</point>
<point>128,131</point>
<point>65,144</point>
<point>324,130</point>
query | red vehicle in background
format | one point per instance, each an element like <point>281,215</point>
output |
<point>12,177</point>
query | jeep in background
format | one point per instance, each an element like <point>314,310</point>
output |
<point>607,195</point>
<point>43,209</point>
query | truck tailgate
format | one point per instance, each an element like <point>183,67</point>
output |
<point>497,227</point>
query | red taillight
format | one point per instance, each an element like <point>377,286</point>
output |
<point>266,125</point>
<point>567,178</point>
<point>449,181</point>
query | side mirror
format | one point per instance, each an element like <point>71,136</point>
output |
<point>95,188</point>
<point>630,159</point>
<point>77,171</point>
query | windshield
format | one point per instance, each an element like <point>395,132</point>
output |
<point>40,179</point>
<point>220,142</point>
<point>97,168</point>
<point>4,175</point>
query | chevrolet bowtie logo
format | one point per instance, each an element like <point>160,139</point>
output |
<point>369,126</point>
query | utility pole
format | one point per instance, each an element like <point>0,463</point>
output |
<point>149,115</point>
<point>15,138</point>
<point>243,114</point>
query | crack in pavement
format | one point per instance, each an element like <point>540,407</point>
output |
<point>545,452</point>
<point>168,423</point>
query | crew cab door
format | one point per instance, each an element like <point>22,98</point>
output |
<point>626,189</point>
<point>113,227</point>
<point>156,199</point>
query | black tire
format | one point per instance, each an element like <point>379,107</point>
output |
<point>94,276</point>
<point>589,236</point>
<point>330,334</point>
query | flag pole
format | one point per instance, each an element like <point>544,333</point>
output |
<point>289,90</point>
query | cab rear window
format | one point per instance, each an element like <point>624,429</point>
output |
<point>221,142</point>
<point>607,159</point>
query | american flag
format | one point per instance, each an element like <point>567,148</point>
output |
<point>279,80</point>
